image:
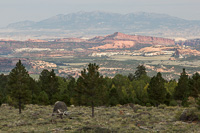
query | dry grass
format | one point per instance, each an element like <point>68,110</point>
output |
<point>140,58</point>
<point>107,119</point>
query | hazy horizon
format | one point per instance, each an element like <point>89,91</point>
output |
<point>36,10</point>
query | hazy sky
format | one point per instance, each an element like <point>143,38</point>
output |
<point>36,10</point>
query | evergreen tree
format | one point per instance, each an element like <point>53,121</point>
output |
<point>157,91</point>
<point>49,84</point>
<point>182,89</point>
<point>124,89</point>
<point>130,76</point>
<point>90,86</point>
<point>43,98</point>
<point>170,87</point>
<point>64,92</point>
<point>113,97</point>
<point>141,70</point>
<point>194,85</point>
<point>71,88</point>
<point>3,90</point>
<point>140,88</point>
<point>35,90</point>
<point>18,84</point>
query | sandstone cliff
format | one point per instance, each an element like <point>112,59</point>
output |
<point>186,52</point>
<point>120,40</point>
<point>35,40</point>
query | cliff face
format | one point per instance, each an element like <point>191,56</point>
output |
<point>35,40</point>
<point>120,40</point>
<point>186,52</point>
<point>114,41</point>
<point>116,45</point>
<point>192,42</point>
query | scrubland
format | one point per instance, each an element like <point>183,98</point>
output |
<point>35,118</point>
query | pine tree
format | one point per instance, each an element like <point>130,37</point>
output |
<point>157,91</point>
<point>141,70</point>
<point>90,87</point>
<point>35,90</point>
<point>130,76</point>
<point>18,84</point>
<point>194,85</point>
<point>49,84</point>
<point>182,89</point>
<point>3,90</point>
<point>43,98</point>
<point>124,89</point>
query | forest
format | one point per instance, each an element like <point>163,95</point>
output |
<point>93,89</point>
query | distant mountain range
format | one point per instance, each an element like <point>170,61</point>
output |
<point>102,23</point>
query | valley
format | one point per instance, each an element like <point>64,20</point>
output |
<point>114,53</point>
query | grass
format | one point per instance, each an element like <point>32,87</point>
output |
<point>36,118</point>
<point>76,64</point>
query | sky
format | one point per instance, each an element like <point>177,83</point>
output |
<point>35,10</point>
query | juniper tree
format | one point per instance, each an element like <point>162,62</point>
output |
<point>18,83</point>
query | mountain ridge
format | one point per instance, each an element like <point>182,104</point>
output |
<point>102,23</point>
<point>98,16</point>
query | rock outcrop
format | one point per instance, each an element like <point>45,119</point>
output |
<point>35,40</point>
<point>119,40</point>
<point>116,45</point>
<point>181,53</point>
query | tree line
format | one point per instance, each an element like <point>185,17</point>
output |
<point>92,89</point>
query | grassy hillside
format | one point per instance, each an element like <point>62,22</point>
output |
<point>36,118</point>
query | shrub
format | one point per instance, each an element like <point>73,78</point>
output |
<point>118,105</point>
<point>173,103</point>
<point>43,98</point>
<point>148,104</point>
<point>191,114</point>
<point>10,101</point>
<point>191,102</point>
<point>177,115</point>
<point>198,103</point>
<point>162,106</point>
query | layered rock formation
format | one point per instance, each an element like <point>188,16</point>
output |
<point>116,45</point>
<point>156,49</point>
<point>186,52</point>
<point>120,40</point>
<point>35,40</point>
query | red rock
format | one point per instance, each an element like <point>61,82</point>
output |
<point>35,40</point>
<point>120,40</point>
